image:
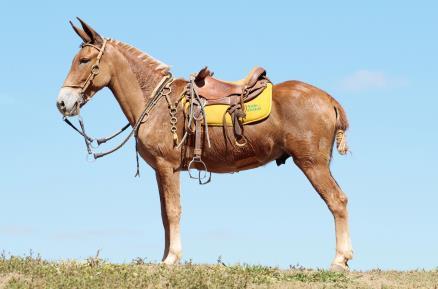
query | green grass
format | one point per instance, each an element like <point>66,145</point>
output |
<point>33,272</point>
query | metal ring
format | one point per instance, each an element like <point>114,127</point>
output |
<point>95,69</point>
<point>173,119</point>
<point>241,144</point>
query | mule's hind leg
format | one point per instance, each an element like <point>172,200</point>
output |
<point>169,187</point>
<point>318,173</point>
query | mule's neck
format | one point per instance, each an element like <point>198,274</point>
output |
<point>135,77</point>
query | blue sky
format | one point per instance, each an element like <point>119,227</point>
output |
<point>377,58</point>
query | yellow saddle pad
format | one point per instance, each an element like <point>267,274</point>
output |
<point>257,109</point>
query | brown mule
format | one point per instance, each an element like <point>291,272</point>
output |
<point>304,124</point>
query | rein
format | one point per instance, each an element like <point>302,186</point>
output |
<point>162,89</point>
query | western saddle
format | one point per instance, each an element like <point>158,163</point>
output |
<point>218,91</point>
<point>203,90</point>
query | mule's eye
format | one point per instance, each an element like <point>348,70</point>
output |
<point>83,60</point>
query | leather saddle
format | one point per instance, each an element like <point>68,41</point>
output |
<point>206,90</point>
<point>217,91</point>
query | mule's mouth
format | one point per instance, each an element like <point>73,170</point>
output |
<point>69,102</point>
<point>72,112</point>
<point>75,110</point>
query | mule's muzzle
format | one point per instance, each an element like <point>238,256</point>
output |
<point>68,102</point>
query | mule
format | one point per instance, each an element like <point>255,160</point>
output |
<point>305,123</point>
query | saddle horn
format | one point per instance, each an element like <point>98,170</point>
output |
<point>202,74</point>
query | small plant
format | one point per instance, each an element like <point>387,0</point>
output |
<point>220,262</point>
<point>94,261</point>
<point>139,261</point>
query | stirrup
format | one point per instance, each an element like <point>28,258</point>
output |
<point>200,176</point>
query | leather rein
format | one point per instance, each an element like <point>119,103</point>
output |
<point>162,89</point>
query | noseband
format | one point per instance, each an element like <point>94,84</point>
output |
<point>95,69</point>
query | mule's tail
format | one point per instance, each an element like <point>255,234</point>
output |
<point>341,128</point>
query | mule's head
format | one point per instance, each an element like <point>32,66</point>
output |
<point>89,72</point>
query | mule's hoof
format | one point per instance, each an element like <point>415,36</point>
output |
<point>339,268</point>
<point>171,259</point>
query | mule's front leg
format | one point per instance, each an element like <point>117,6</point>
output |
<point>169,187</point>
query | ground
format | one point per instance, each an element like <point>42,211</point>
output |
<point>33,272</point>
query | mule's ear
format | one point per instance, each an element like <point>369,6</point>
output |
<point>81,33</point>
<point>95,37</point>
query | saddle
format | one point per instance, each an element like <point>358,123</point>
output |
<point>205,90</point>
<point>217,91</point>
<point>234,94</point>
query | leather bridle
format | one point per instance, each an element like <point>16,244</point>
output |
<point>95,69</point>
<point>163,89</point>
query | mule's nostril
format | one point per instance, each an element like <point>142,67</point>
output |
<point>61,106</point>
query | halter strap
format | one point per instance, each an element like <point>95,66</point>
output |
<point>95,69</point>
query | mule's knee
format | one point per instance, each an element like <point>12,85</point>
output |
<point>338,206</point>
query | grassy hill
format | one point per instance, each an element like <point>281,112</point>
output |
<point>31,272</point>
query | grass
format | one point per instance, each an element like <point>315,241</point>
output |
<point>34,272</point>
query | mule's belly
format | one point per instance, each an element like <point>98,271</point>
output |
<point>236,166</point>
<point>226,157</point>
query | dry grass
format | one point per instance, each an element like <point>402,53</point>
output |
<point>31,272</point>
